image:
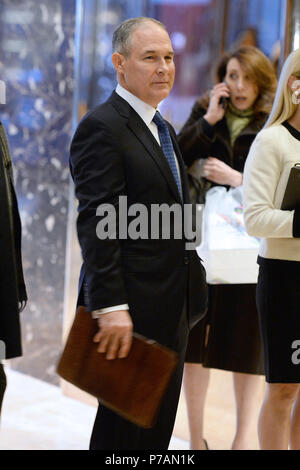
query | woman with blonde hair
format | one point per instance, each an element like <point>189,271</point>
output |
<point>274,152</point>
<point>220,130</point>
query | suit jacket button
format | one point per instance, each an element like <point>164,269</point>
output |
<point>186,260</point>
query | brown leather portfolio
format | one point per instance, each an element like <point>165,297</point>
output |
<point>133,387</point>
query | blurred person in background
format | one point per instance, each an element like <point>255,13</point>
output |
<point>273,154</point>
<point>220,130</point>
<point>13,295</point>
<point>247,37</point>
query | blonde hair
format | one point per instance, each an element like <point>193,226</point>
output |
<point>283,107</point>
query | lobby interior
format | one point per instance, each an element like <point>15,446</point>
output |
<point>55,61</point>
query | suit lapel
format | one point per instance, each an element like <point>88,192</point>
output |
<point>145,136</point>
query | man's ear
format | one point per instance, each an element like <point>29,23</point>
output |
<point>118,61</point>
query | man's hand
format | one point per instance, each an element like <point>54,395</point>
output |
<point>219,172</point>
<point>115,334</point>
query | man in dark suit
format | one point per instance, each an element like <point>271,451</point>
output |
<point>152,285</point>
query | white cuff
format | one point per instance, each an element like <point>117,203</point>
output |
<point>101,311</point>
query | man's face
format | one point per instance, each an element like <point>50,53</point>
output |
<point>148,72</point>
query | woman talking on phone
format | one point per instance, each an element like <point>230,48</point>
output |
<point>220,131</point>
<point>274,153</point>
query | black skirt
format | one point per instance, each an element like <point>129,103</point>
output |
<point>228,338</point>
<point>278,301</point>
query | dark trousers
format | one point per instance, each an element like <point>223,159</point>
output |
<point>111,432</point>
<point>2,384</point>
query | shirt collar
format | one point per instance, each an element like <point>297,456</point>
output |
<point>144,110</point>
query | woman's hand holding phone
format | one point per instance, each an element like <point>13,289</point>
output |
<point>216,109</point>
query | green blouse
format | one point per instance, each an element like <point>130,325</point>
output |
<point>237,121</point>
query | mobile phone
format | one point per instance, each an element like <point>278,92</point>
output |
<point>224,100</point>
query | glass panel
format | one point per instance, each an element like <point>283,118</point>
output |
<point>258,18</point>
<point>36,64</point>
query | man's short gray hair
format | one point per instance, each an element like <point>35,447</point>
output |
<point>121,41</point>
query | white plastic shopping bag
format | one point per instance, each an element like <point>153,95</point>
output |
<point>228,252</point>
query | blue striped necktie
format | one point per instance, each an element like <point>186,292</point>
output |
<point>167,146</point>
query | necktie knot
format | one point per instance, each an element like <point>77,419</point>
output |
<point>159,120</point>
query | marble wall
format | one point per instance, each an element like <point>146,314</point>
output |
<point>37,65</point>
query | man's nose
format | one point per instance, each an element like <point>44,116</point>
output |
<point>162,66</point>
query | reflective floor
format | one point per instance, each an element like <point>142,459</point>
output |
<point>37,416</point>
